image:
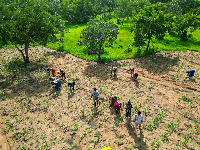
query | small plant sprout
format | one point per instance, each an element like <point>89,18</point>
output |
<point>178,120</point>
<point>165,137</point>
<point>83,111</point>
<point>170,127</point>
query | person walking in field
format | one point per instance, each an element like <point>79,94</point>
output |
<point>135,76</point>
<point>95,95</point>
<point>62,74</point>
<point>132,72</point>
<point>137,120</point>
<point>128,108</point>
<point>190,73</point>
<point>71,85</point>
<point>51,70</point>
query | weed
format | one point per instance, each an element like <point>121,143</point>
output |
<point>82,111</point>
<point>149,127</point>
<point>178,120</point>
<point>165,137</point>
<point>185,140</point>
<point>170,127</point>
<point>155,144</point>
<point>84,134</point>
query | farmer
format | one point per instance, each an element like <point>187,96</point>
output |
<point>190,73</point>
<point>51,70</point>
<point>71,85</point>
<point>55,81</point>
<point>113,70</point>
<point>117,106</point>
<point>113,99</point>
<point>58,85</point>
<point>135,75</point>
<point>128,108</point>
<point>62,74</point>
<point>132,71</point>
<point>137,120</point>
<point>95,95</point>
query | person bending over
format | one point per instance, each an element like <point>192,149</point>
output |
<point>190,73</point>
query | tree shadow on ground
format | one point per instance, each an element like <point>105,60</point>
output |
<point>19,77</point>
<point>54,93</point>
<point>56,54</point>
<point>99,70</point>
<point>139,141</point>
<point>157,63</point>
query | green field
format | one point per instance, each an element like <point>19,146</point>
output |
<point>125,38</point>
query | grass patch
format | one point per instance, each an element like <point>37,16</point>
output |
<point>124,39</point>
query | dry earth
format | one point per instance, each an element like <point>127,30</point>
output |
<point>35,116</point>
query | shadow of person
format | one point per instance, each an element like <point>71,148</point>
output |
<point>142,141</point>
<point>114,78</point>
<point>54,93</point>
<point>139,141</point>
<point>95,111</point>
<point>71,94</point>
<point>136,83</point>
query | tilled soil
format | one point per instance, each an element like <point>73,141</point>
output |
<point>36,116</point>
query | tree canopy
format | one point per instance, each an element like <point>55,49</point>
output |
<point>79,11</point>
<point>150,21</point>
<point>27,21</point>
<point>97,33</point>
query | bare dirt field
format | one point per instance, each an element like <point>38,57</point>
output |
<point>33,115</point>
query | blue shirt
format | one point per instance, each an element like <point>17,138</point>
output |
<point>95,94</point>
<point>192,71</point>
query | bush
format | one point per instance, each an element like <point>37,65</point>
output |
<point>128,49</point>
<point>61,48</point>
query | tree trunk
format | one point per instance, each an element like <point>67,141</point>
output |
<point>18,49</point>
<point>99,57</point>
<point>26,52</point>
<point>148,43</point>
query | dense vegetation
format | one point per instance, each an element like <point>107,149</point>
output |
<point>35,22</point>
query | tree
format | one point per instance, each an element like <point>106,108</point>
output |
<point>103,6</point>
<point>124,9</point>
<point>79,11</point>
<point>150,21</point>
<point>27,21</point>
<point>183,6</point>
<point>97,33</point>
<point>184,24</point>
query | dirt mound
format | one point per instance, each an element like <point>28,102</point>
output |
<point>35,116</point>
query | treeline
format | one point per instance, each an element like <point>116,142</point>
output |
<point>36,21</point>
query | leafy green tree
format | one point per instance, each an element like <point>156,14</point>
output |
<point>124,9</point>
<point>27,21</point>
<point>54,6</point>
<point>185,24</point>
<point>77,11</point>
<point>97,33</point>
<point>150,22</point>
<point>104,6</point>
<point>183,6</point>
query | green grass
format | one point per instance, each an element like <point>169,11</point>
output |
<point>124,39</point>
<point>71,43</point>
